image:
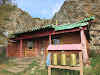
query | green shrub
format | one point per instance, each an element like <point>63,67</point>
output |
<point>94,68</point>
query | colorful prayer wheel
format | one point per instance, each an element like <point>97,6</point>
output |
<point>73,59</point>
<point>63,59</point>
<point>55,59</point>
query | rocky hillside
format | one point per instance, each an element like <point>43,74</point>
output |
<point>19,18</point>
<point>74,10</point>
<point>5,10</point>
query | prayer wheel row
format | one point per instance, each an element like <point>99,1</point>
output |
<point>63,59</point>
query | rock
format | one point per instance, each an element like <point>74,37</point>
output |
<point>74,10</point>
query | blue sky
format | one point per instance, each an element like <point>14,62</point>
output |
<point>40,8</point>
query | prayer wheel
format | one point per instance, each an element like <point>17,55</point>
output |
<point>63,59</point>
<point>55,59</point>
<point>73,59</point>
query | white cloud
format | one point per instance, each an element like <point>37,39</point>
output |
<point>56,8</point>
<point>52,10</point>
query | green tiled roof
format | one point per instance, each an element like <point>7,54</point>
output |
<point>69,26</point>
<point>81,23</point>
<point>87,19</point>
<point>74,25</point>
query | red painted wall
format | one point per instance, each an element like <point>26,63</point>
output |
<point>66,38</point>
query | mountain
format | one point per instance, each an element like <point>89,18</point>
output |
<point>74,10</point>
<point>20,21</point>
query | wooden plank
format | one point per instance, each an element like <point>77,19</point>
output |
<point>66,67</point>
<point>81,63</point>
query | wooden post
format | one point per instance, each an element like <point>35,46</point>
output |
<point>84,48</point>
<point>81,63</point>
<point>36,46</point>
<point>21,48</point>
<point>49,70</point>
<point>49,38</point>
<point>7,50</point>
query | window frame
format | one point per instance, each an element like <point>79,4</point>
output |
<point>31,43</point>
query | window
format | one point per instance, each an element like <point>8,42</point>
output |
<point>56,41</point>
<point>30,44</point>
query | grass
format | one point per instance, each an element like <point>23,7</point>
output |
<point>93,69</point>
<point>40,72</point>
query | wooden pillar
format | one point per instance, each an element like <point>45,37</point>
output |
<point>49,70</point>
<point>36,48</point>
<point>81,63</point>
<point>84,48</point>
<point>7,50</point>
<point>47,43</point>
<point>21,48</point>
<point>50,38</point>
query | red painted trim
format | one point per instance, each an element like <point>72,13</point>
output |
<point>21,46</point>
<point>49,38</point>
<point>42,34</point>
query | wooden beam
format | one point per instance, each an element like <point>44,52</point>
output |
<point>66,67</point>
<point>66,47</point>
<point>81,63</point>
<point>42,34</point>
